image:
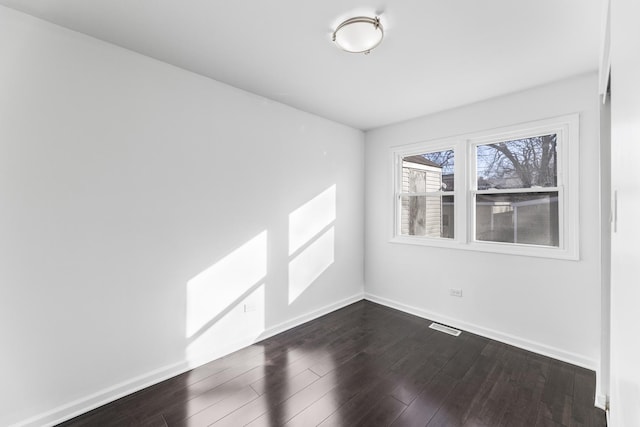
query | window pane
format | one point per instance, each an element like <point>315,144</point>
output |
<point>520,163</point>
<point>430,216</point>
<point>422,173</point>
<point>530,218</point>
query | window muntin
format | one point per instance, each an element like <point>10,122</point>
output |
<point>516,198</point>
<point>426,201</point>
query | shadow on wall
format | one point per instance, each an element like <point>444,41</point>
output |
<point>225,304</point>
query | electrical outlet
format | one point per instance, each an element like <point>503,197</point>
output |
<point>455,292</point>
<point>250,307</point>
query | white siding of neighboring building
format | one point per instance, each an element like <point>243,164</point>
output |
<point>427,218</point>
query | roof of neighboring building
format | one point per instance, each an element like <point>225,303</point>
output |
<point>421,161</point>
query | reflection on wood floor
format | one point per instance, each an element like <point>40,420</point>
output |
<point>366,365</point>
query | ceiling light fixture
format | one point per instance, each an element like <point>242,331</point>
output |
<point>359,34</point>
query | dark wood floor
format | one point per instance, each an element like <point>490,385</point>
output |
<point>366,365</point>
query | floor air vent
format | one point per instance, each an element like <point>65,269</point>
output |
<point>445,329</point>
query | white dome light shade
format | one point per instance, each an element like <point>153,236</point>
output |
<point>360,34</point>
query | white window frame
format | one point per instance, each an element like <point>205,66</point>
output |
<point>458,196</point>
<point>567,130</point>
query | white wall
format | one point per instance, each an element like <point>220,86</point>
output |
<point>605,239</point>
<point>549,306</point>
<point>625,179</point>
<point>123,178</point>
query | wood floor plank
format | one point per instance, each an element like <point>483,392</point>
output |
<point>368,372</point>
<point>267,401</point>
<point>383,414</point>
<point>359,405</point>
<point>499,389</point>
<point>465,357</point>
<point>469,394</point>
<point>584,390</point>
<point>555,402</point>
<point>217,411</point>
<point>400,362</point>
<point>524,407</point>
<point>306,397</point>
<point>428,402</point>
<point>365,365</point>
<point>207,398</point>
<point>442,348</point>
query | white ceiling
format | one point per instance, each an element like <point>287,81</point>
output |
<point>437,54</point>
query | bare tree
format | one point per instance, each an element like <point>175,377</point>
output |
<point>444,159</point>
<point>531,160</point>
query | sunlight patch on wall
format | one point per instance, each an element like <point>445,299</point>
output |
<point>311,218</point>
<point>213,293</point>
<point>311,241</point>
<point>310,264</point>
<point>240,325</point>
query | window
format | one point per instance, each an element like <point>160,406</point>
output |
<point>511,190</point>
<point>426,198</point>
<point>516,197</point>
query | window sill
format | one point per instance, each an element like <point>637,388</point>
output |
<point>491,247</point>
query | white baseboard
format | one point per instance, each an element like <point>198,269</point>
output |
<point>80,406</point>
<point>602,402</point>
<point>536,347</point>
<point>281,327</point>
